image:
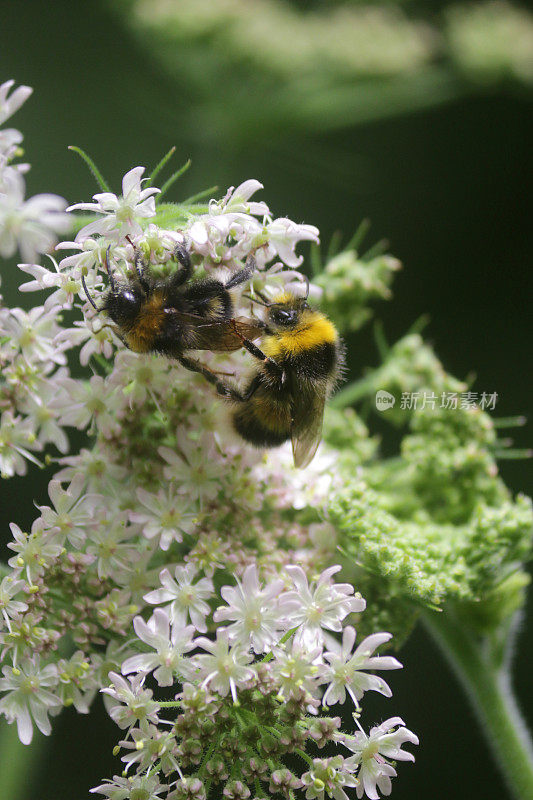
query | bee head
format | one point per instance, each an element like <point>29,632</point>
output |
<point>123,303</point>
<point>285,311</point>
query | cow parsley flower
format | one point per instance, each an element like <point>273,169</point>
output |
<point>186,595</point>
<point>134,786</point>
<point>130,701</point>
<point>72,512</point>
<point>167,515</point>
<point>67,286</point>
<point>29,696</point>
<point>297,667</point>
<point>40,404</point>
<point>92,254</point>
<point>9,588</point>
<point>236,201</point>
<point>319,605</point>
<point>372,752</point>
<point>195,472</point>
<point>77,686</point>
<point>122,215</point>
<point>33,225</point>
<point>35,551</point>
<point>17,438</point>
<point>256,618</point>
<point>113,546</point>
<point>227,667</point>
<point>11,101</point>
<point>283,235</point>
<point>345,669</point>
<point>170,639</point>
<point>80,404</point>
<point>30,225</point>
<point>329,777</point>
<point>33,333</point>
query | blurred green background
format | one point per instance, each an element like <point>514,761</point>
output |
<point>415,115</point>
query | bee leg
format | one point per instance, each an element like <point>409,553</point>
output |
<point>224,389</point>
<point>255,351</point>
<point>243,274</point>
<point>140,268</point>
<point>140,265</point>
<point>182,275</point>
<point>112,281</point>
<point>252,388</point>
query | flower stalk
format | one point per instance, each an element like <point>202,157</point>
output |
<point>488,687</point>
<point>18,761</point>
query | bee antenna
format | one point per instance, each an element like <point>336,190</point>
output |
<point>264,300</point>
<point>88,296</point>
<point>111,279</point>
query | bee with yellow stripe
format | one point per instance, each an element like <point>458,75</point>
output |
<point>300,362</point>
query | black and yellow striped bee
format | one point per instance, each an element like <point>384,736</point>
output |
<point>301,359</point>
<point>174,314</point>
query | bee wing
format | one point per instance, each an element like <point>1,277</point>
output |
<point>220,335</point>
<point>306,433</point>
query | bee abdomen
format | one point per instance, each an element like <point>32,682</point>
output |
<point>263,423</point>
<point>208,298</point>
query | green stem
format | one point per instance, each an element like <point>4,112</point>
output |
<point>99,178</point>
<point>285,638</point>
<point>356,391</point>
<point>490,692</point>
<point>19,763</point>
<point>304,755</point>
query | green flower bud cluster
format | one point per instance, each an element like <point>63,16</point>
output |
<point>449,456</point>
<point>280,40</point>
<point>350,282</point>
<point>345,431</point>
<point>435,524</point>
<point>426,562</point>
<point>410,366</point>
<point>221,743</point>
<point>491,41</point>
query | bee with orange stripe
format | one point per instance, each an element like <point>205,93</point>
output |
<point>300,361</point>
<point>174,314</point>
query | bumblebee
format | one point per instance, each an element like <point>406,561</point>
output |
<point>174,314</point>
<point>300,362</point>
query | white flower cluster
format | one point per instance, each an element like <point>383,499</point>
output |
<point>227,685</point>
<point>162,480</point>
<point>29,356</point>
<point>29,225</point>
<point>223,237</point>
<point>32,366</point>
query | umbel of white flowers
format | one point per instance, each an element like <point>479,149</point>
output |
<point>160,508</point>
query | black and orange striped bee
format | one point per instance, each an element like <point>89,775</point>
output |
<point>300,361</point>
<point>174,314</point>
